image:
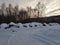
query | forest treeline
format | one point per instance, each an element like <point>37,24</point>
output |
<point>14,14</point>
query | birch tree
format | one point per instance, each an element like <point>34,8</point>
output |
<point>3,9</point>
<point>41,9</point>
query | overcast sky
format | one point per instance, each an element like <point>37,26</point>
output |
<point>50,4</point>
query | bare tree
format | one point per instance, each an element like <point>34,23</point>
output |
<point>41,9</point>
<point>23,14</point>
<point>0,12</point>
<point>7,10</point>
<point>16,12</point>
<point>10,9</point>
<point>3,9</point>
<point>29,10</point>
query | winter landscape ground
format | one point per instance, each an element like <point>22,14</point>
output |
<point>30,34</point>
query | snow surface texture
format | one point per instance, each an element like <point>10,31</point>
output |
<point>30,34</point>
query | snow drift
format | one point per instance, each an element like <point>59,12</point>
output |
<point>30,34</point>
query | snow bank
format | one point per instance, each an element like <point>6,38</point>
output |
<point>12,23</point>
<point>30,34</point>
<point>26,25</point>
<point>20,25</point>
<point>34,24</point>
<point>50,36</point>
<point>39,36</point>
<point>3,25</point>
<point>53,24</point>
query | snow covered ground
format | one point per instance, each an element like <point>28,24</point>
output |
<point>30,34</point>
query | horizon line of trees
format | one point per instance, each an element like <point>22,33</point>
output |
<point>14,14</point>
